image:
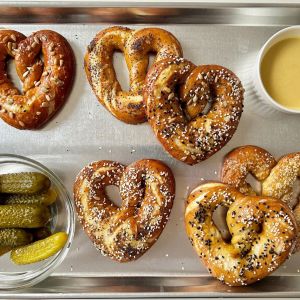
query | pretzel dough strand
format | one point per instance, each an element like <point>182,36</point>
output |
<point>136,46</point>
<point>186,133</point>
<point>124,233</point>
<point>277,178</point>
<point>46,83</point>
<point>263,233</point>
<point>244,160</point>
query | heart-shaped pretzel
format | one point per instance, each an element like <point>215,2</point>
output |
<point>147,189</point>
<point>136,46</point>
<point>184,129</point>
<point>263,233</point>
<point>277,178</point>
<point>46,83</point>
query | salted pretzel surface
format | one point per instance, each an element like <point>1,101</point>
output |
<point>46,82</point>
<point>136,45</point>
<point>179,120</point>
<point>147,189</point>
<point>263,233</point>
<point>277,178</point>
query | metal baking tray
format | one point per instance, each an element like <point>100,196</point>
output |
<point>83,131</point>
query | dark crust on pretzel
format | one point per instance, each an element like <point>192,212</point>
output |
<point>252,253</point>
<point>277,178</point>
<point>101,216</point>
<point>136,46</point>
<point>194,138</point>
<point>44,94</point>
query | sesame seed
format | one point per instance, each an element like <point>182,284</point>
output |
<point>13,37</point>
<point>45,104</point>
<point>36,39</point>
<point>25,74</point>
<point>9,45</point>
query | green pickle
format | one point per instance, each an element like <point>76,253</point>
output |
<point>23,216</point>
<point>23,183</point>
<point>39,250</point>
<point>46,198</point>
<point>12,237</point>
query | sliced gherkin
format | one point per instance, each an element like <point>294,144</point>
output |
<point>14,237</point>
<point>46,198</point>
<point>23,216</point>
<point>23,183</point>
<point>39,250</point>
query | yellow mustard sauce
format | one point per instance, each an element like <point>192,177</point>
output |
<point>280,72</point>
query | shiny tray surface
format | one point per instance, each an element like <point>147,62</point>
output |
<point>83,131</point>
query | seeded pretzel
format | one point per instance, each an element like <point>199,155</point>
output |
<point>263,231</point>
<point>136,46</point>
<point>147,189</point>
<point>244,160</point>
<point>277,178</point>
<point>184,129</point>
<point>46,84</point>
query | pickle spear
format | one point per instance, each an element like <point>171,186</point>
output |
<point>23,216</point>
<point>46,197</point>
<point>12,237</point>
<point>23,183</point>
<point>39,250</point>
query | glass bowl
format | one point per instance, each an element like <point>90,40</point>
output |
<point>14,276</point>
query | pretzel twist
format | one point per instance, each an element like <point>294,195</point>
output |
<point>46,84</point>
<point>147,189</point>
<point>179,121</point>
<point>263,233</point>
<point>136,46</point>
<point>277,178</point>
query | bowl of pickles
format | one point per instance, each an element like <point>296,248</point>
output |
<point>37,221</point>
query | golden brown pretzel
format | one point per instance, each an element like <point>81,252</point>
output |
<point>263,233</point>
<point>177,119</point>
<point>46,84</point>
<point>136,46</point>
<point>277,178</point>
<point>147,189</point>
<point>244,160</point>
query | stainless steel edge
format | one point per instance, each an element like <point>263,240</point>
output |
<point>57,287</point>
<point>151,3</point>
<point>136,287</point>
<point>199,14</point>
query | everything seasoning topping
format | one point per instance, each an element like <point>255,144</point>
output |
<point>195,123</point>
<point>147,190</point>
<point>252,253</point>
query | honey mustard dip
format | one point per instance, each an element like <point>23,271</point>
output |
<point>280,72</point>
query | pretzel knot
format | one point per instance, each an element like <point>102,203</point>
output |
<point>136,46</point>
<point>180,120</point>
<point>263,233</point>
<point>147,189</point>
<point>46,83</point>
<point>277,178</point>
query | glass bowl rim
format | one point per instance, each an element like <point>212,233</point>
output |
<point>30,278</point>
